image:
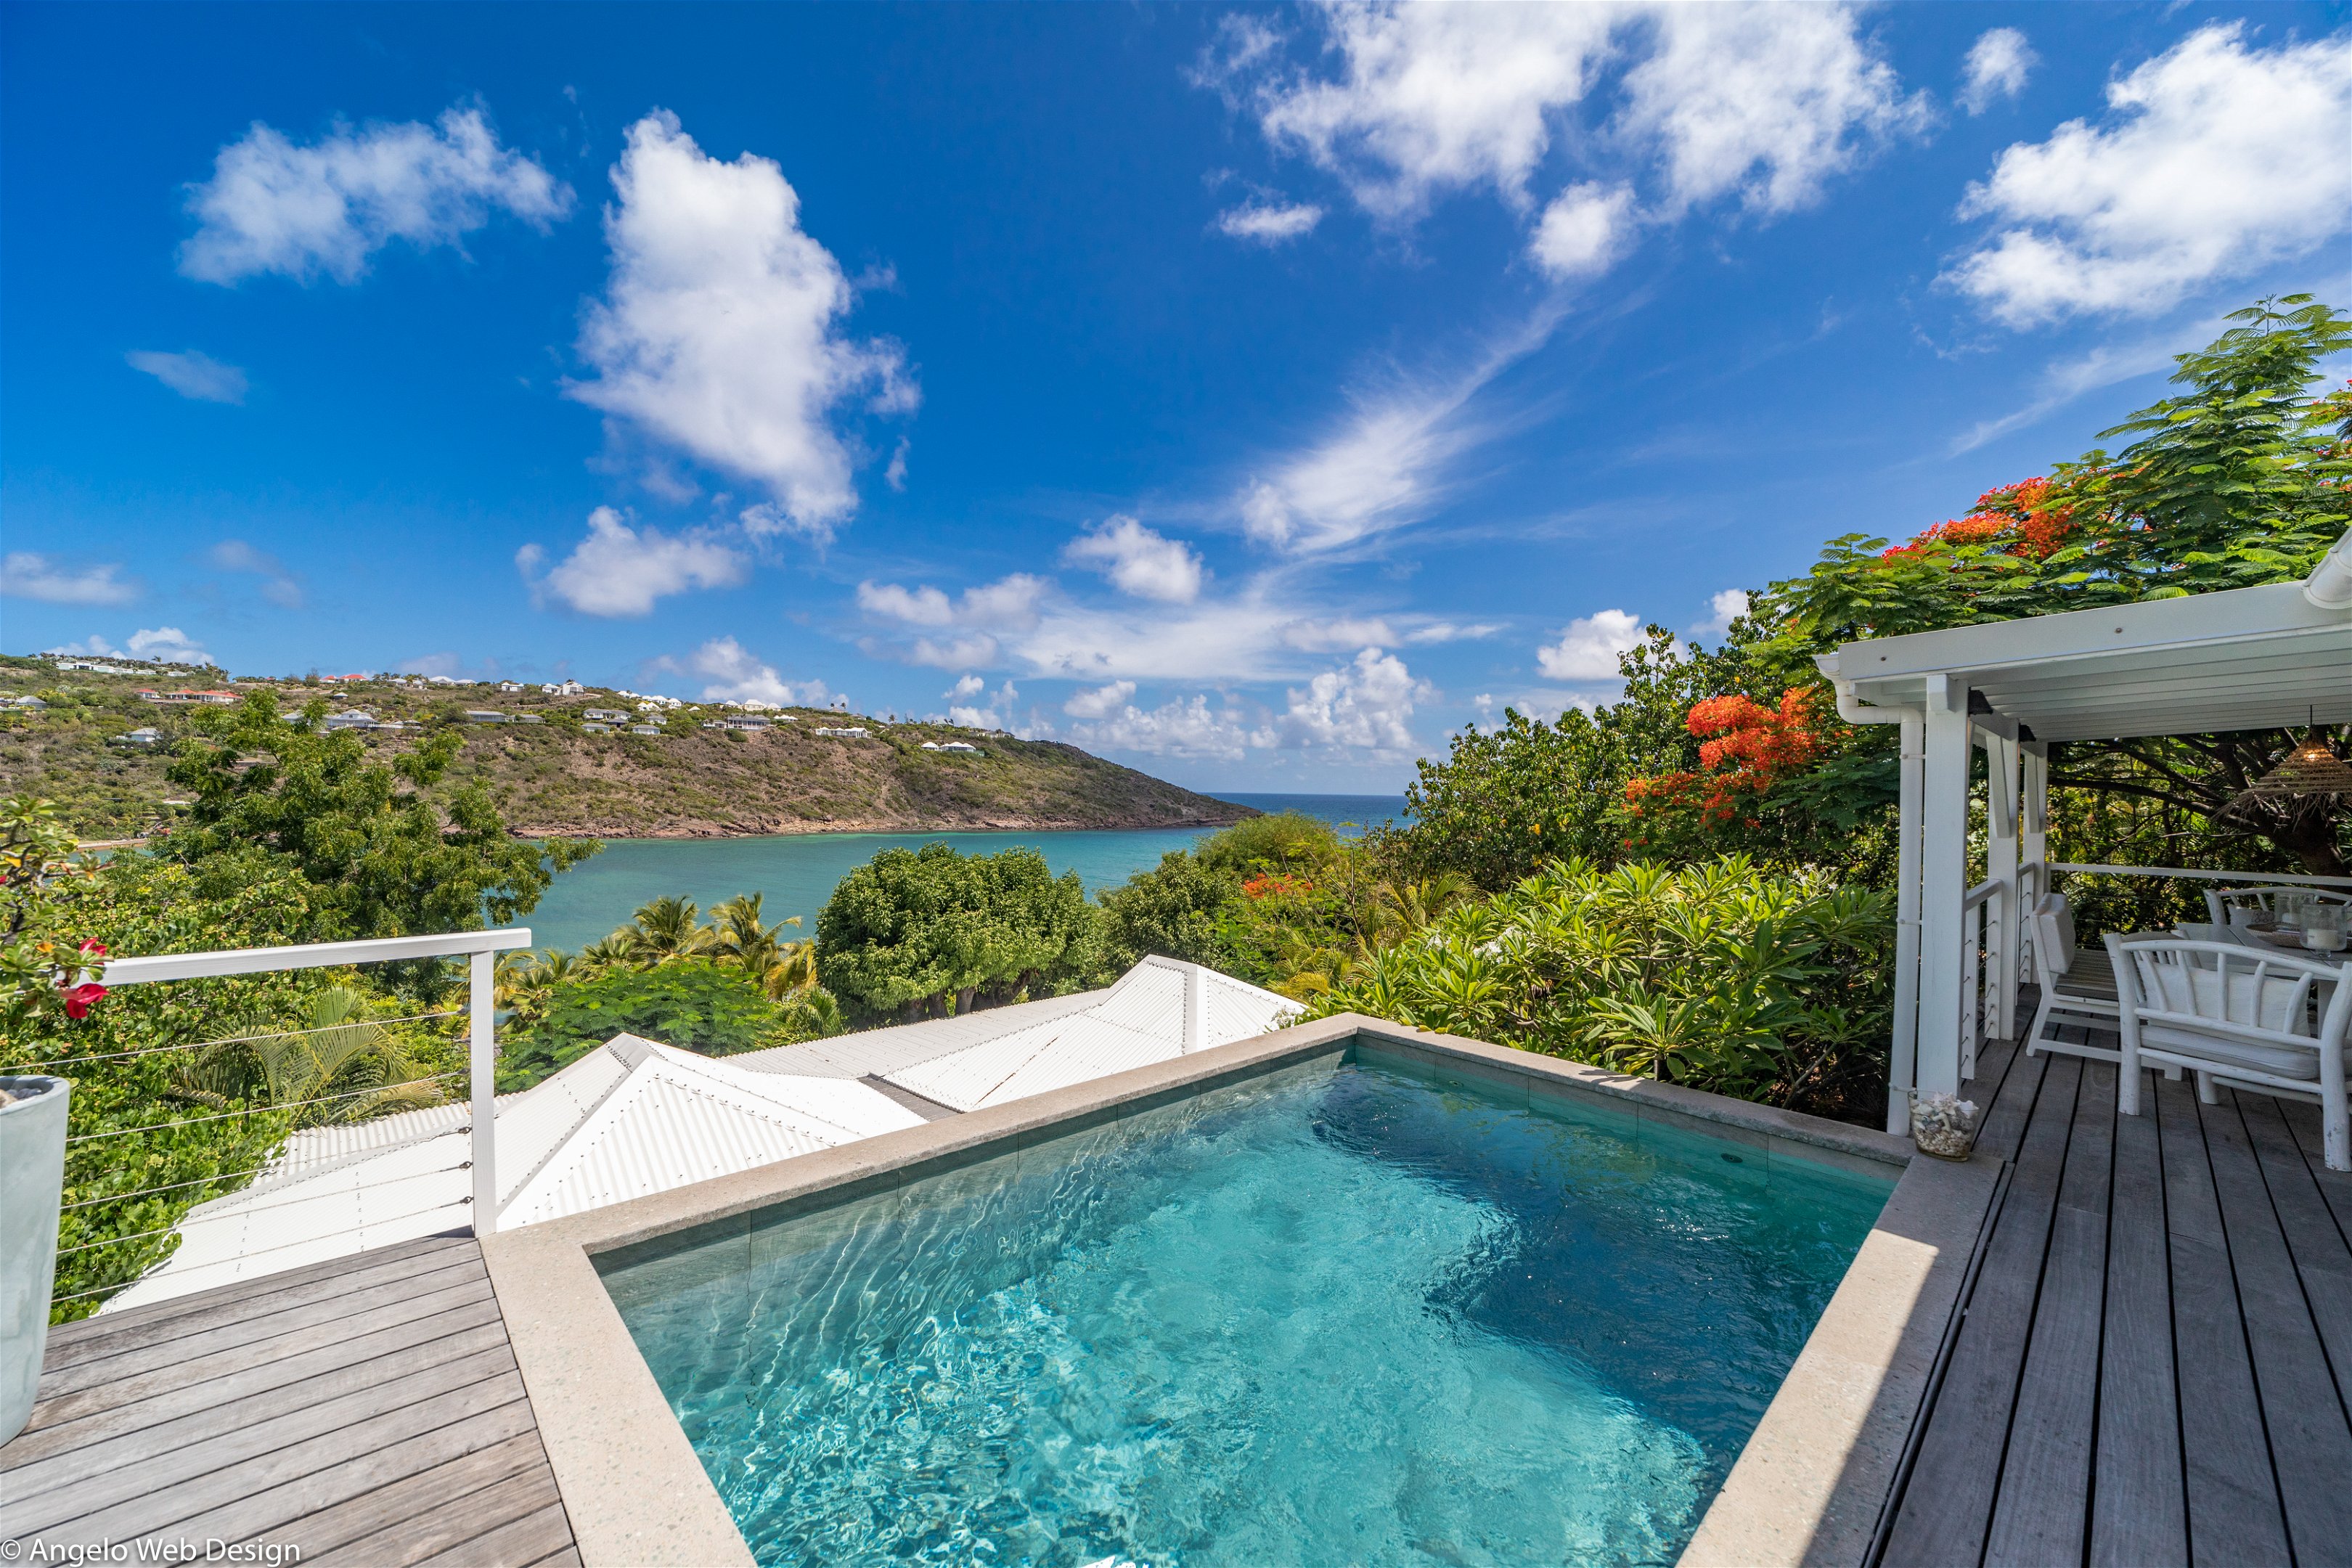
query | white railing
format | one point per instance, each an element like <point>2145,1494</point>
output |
<point>2267,878</point>
<point>480,948</point>
<point>1980,967</point>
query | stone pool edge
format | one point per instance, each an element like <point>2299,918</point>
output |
<point>637,1494</point>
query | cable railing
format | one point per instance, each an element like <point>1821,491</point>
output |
<point>478,1205</point>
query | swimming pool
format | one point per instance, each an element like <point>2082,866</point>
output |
<point>1338,1314</point>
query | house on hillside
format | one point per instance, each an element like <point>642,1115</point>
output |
<point>564,689</point>
<point>484,716</point>
<point>638,1117</point>
<point>605,715</point>
<point>965,746</point>
<point>846,732</point>
<point>189,698</point>
<point>145,736</point>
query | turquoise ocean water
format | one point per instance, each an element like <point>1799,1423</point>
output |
<point>797,871</point>
<point>1327,1318</point>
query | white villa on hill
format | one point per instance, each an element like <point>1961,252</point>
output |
<point>638,1117</point>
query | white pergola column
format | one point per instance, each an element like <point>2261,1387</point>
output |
<point>2001,866</point>
<point>2033,834</point>
<point>1943,882</point>
<point>1903,1049</point>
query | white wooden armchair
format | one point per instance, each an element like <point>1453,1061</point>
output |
<point>2272,1023</point>
<point>2075,985</point>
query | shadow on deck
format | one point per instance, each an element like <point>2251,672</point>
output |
<point>366,1410</point>
<point>2153,1365</point>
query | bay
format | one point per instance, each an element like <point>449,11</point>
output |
<point>797,872</point>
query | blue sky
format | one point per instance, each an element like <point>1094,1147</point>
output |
<point>1252,396</point>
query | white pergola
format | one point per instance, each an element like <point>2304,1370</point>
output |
<point>2242,659</point>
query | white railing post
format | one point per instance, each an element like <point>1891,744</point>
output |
<point>482,1004</point>
<point>2033,836</point>
<point>2001,924</point>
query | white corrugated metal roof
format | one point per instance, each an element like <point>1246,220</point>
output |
<point>636,1118</point>
<point>1140,1021</point>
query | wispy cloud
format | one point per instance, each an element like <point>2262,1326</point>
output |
<point>29,574</point>
<point>193,376</point>
<point>277,585</point>
<point>2064,380</point>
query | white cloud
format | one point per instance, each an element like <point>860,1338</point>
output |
<point>969,685</point>
<point>1447,631</point>
<point>274,206</point>
<point>2062,381</point>
<point>2215,161</point>
<point>1269,223</point>
<point>719,331</point>
<point>1325,636</point>
<point>445,665</point>
<point>1583,230</point>
<point>192,374</point>
<point>29,574</point>
<point>1997,66</point>
<point>1186,727</point>
<point>1432,97</point>
<point>975,718</point>
<point>1724,608</point>
<point>1365,706</point>
<point>1377,472</point>
<point>954,653</point>
<point>277,585</point>
<point>1009,604</point>
<point>895,476</point>
<point>167,644</point>
<point>1139,560</point>
<point>162,645</point>
<point>1101,701</point>
<point>1589,647</point>
<point>1765,100</point>
<point>621,570</point>
<point>732,673</point>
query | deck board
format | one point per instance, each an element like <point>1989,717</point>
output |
<point>368,1410</point>
<point>2153,1365</point>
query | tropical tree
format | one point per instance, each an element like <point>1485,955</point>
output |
<point>339,1064</point>
<point>390,849</point>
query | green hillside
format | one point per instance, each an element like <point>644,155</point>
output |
<point>556,776</point>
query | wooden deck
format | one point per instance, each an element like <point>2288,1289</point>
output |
<point>365,1411</point>
<point>2154,1359</point>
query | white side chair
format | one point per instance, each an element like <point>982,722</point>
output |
<point>2246,903</point>
<point>2274,1024</point>
<point>2076,987</point>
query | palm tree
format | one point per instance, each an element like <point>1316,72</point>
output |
<point>339,1057</point>
<point>669,927</point>
<point>779,967</point>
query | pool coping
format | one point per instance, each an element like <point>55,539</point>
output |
<point>637,1494</point>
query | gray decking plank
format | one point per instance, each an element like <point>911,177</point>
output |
<point>256,1327</point>
<point>104,1334</point>
<point>266,1496</point>
<point>1947,1503</point>
<point>431,1511</point>
<point>2234,1516</point>
<point>198,1500</point>
<point>64,1423</point>
<point>2004,1115</point>
<point>2310,1438</point>
<point>2038,1515</point>
<point>80,1480</point>
<point>2322,1257</point>
<point>2335,1186</point>
<point>516,1544</point>
<point>567,1558</point>
<point>170,1374</point>
<point>2139,1514</point>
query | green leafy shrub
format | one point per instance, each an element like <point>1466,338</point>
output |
<point>913,930</point>
<point>1722,976</point>
<point>695,1004</point>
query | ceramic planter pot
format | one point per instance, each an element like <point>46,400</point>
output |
<point>32,1174</point>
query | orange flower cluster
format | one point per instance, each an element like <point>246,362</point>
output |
<point>1276,884</point>
<point>2031,512</point>
<point>1747,748</point>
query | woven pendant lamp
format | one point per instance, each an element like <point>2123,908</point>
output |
<point>2310,770</point>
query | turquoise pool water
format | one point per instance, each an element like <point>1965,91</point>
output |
<point>797,871</point>
<point>1334,1317</point>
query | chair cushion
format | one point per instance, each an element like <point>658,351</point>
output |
<point>2091,974</point>
<point>2279,1061</point>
